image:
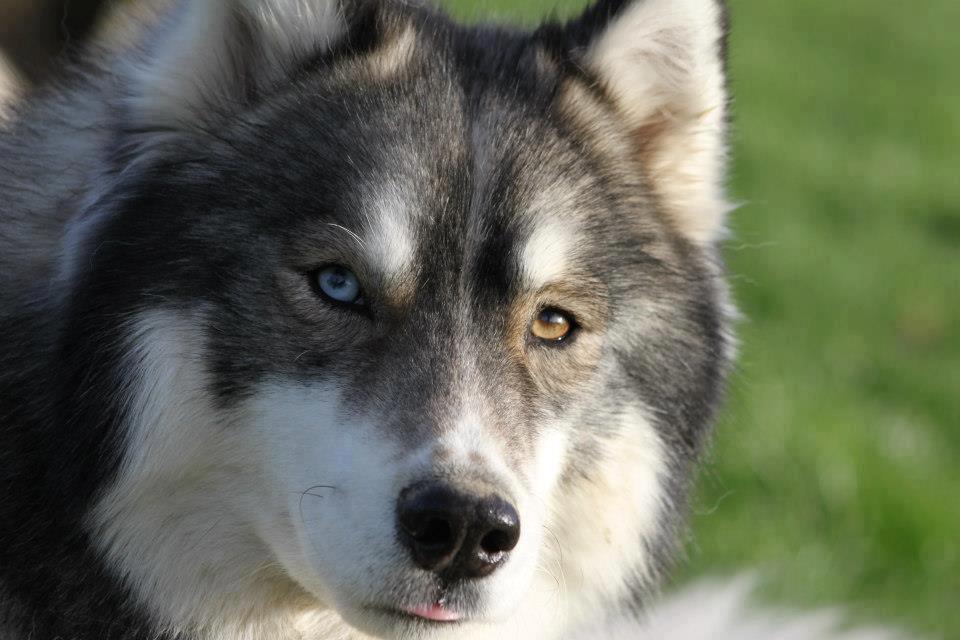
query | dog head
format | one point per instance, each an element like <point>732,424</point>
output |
<point>422,326</point>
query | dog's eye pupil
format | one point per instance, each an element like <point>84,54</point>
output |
<point>339,284</point>
<point>551,325</point>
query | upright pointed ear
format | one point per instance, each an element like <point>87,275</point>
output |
<point>662,63</point>
<point>210,55</point>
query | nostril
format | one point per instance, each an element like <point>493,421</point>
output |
<point>501,525</point>
<point>436,532</point>
<point>432,524</point>
<point>497,542</point>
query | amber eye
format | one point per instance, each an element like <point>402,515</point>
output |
<point>551,325</point>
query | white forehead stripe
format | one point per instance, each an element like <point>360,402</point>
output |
<point>387,242</point>
<point>546,253</point>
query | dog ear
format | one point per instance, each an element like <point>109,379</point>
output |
<point>662,64</point>
<point>211,54</point>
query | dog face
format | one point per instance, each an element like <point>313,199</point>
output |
<point>423,326</point>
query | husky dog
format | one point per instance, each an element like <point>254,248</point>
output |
<point>333,319</point>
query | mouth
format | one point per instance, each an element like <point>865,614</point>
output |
<point>435,613</point>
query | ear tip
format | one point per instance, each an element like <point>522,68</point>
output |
<point>209,54</point>
<point>601,15</point>
<point>663,65</point>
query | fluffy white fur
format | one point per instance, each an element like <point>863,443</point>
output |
<point>176,523</point>
<point>591,541</point>
<point>661,61</point>
<point>722,610</point>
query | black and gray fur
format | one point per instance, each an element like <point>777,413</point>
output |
<point>106,213</point>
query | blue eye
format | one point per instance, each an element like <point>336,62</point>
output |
<point>339,284</point>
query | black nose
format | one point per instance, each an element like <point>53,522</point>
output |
<point>455,534</point>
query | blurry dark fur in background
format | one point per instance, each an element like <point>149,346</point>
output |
<point>36,33</point>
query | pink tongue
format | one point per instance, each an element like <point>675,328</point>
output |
<point>434,611</point>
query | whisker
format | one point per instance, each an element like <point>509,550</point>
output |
<point>352,234</point>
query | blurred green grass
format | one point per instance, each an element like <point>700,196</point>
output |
<point>836,470</point>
